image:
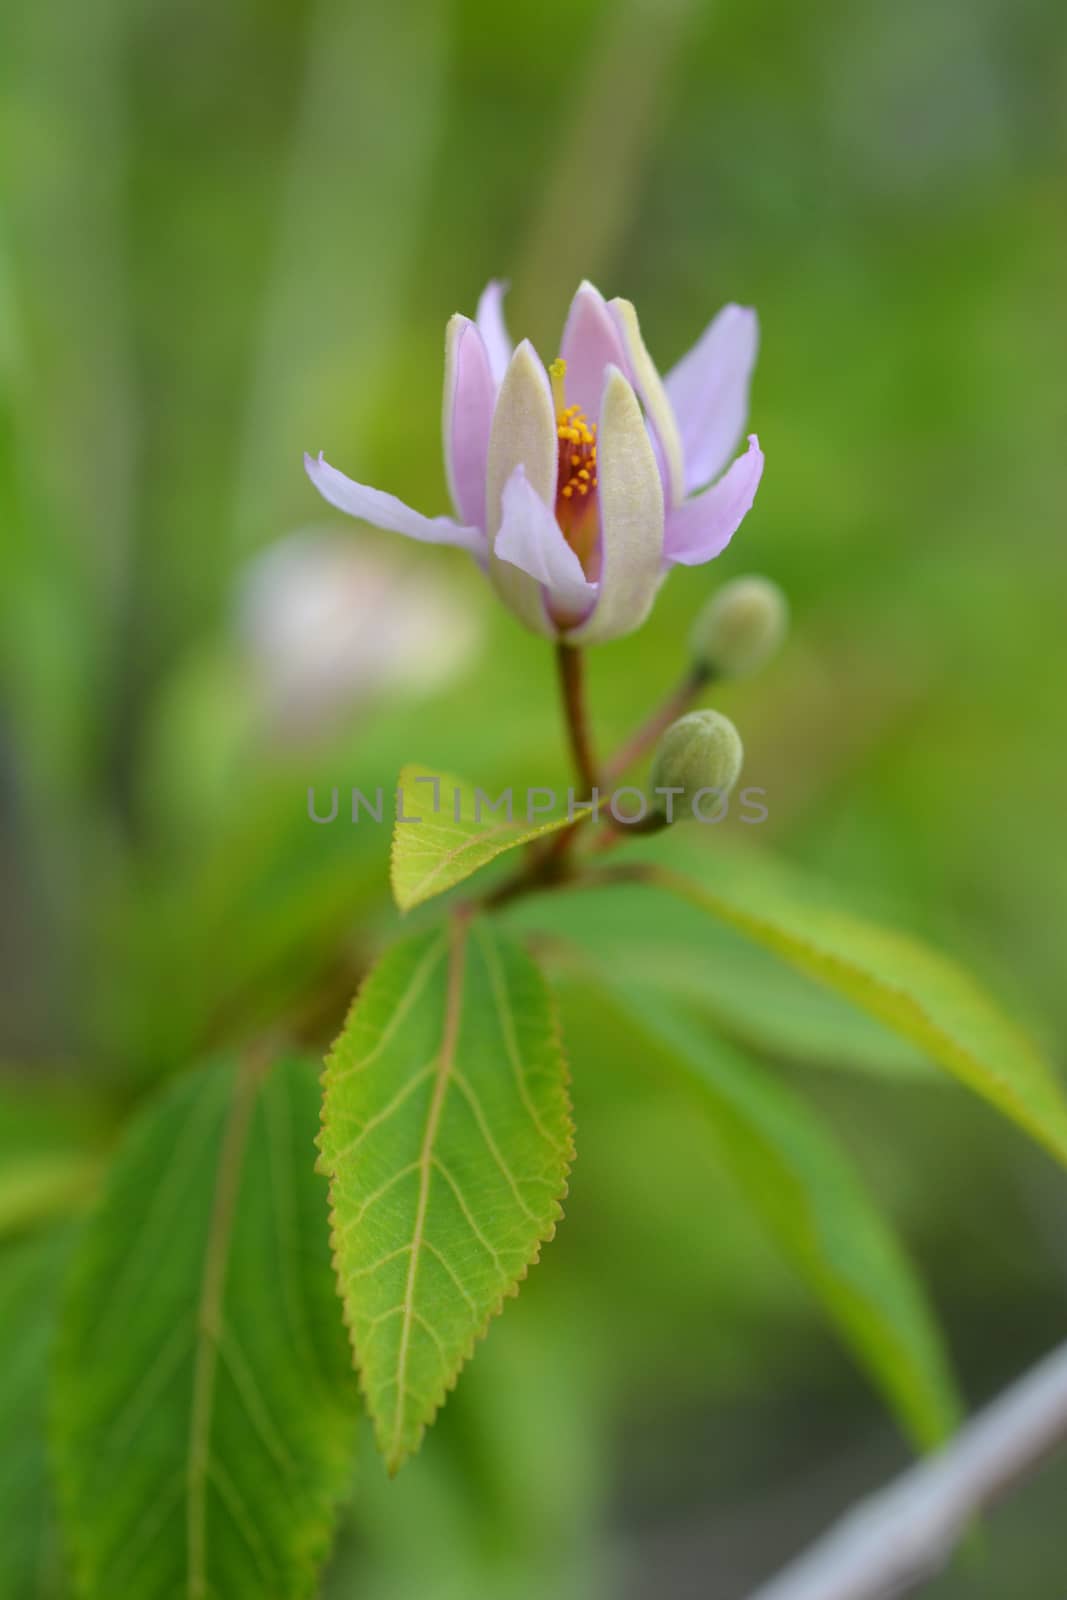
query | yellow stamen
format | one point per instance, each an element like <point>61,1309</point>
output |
<point>557,372</point>
<point>576,506</point>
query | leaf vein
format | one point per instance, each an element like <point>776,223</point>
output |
<point>468,1215</point>
<point>494,1149</point>
<point>511,1043</point>
<point>419,979</point>
<point>379,1117</point>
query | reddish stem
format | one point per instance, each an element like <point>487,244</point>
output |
<point>651,731</point>
<point>571,665</point>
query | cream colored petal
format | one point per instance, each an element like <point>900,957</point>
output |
<point>631,517</point>
<point>523,434</point>
<point>649,386</point>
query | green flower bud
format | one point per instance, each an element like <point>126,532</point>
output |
<point>740,628</point>
<point>698,760</point>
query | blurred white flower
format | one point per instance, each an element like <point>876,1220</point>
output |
<point>330,626</point>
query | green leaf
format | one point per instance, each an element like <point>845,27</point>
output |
<point>922,995</point>
<point>749,994</point>
<point>447,1139</point>
<point>445,831</point>
<point>812,1202</point>
<point>31,1273</point>
<point>204,1401</point>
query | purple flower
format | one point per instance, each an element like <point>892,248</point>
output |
<point>578,520</point>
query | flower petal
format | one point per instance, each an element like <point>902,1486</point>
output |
<point>523,434</point>
<point>386,511</point>
<point>468,413</point>
<point>709,392</point>
<point>590,344</point>
<point>531,539</point>
<point>490,319</point>
<point>704,526</point>
<point>643,373</point>
<point>631,517</point>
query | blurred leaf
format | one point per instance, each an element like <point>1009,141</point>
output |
<point>204,1406</point>
<point>31,1273</point>
<point>751,996</point>
<point>446,1099</point>
<point>814,1205</point>
<point>430,856</point>
<point>51,1150</point>
<point>221,947</point>
<point>920,994</point>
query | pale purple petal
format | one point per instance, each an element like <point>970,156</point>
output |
<point>704,526</point>
<point>468,413</point>
<point>631,517</point>
<point>591,343</point>
<point>530,538</point>
<point>490,319</point>
<point>386,511</point>
<point>708,390</point>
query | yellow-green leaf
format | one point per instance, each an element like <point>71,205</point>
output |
<point>918,993</point>
<point>446,829</point>
<point>745,991</point>
<point>447,1138</point>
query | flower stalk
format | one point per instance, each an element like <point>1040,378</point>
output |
<point>570,664</point>
<point>645,738</point>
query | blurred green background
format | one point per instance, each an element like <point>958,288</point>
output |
<point>232,233</point>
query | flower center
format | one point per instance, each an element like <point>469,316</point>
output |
<point>577,507</point>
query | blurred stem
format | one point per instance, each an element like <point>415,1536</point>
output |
<point>899,1537</point>
<point>652,729</point>
<point>571,666</point>
<point>622,80</point>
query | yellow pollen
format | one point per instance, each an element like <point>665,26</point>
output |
<point>557,372</point>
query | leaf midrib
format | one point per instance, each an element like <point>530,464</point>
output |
<point>450,1033</point>
<point>232,1148</point>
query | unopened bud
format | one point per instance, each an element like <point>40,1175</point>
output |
<point>740,628</point>
<point>700,754</point>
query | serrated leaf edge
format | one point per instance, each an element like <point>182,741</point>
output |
<point>409,901</point>
<point>922,1028</point>
<point>460,923</point>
